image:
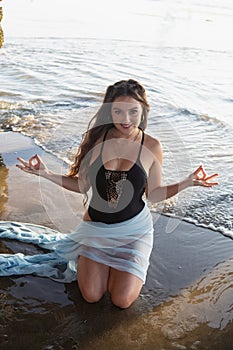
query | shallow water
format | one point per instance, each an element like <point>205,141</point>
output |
<point>186,302</point>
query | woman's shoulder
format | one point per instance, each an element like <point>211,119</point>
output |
<point>155,148</point>
<point>152,143</point>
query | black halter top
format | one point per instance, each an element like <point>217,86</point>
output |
<point>116,195</point>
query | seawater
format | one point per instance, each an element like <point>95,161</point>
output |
<point>51,87</point>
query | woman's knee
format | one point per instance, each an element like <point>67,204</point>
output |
<point>124,288</point>
<point>91,295</point>
<point>123,300</point>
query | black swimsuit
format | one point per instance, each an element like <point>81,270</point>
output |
<point>116,194</point>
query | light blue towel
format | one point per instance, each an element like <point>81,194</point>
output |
<point>125,246</point>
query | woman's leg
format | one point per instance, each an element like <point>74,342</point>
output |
<point>92,279</point>
<point>95,279</point>
<point>123,287</point>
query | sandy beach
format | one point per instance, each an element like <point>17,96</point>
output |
<point>186,302</point>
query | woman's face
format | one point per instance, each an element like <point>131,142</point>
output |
<point>126,114</point>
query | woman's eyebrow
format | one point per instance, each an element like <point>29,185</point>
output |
<point>118,108</point>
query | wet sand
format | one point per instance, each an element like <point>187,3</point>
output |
<point>186,302</point>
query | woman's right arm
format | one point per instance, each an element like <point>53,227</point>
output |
<point>36,166</point>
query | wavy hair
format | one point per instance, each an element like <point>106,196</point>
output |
<point>101,122</point>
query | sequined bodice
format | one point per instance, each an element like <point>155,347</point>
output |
<point>115,182</point>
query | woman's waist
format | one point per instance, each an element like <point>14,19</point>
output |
<point>111,214</point>
<point>98,234</point>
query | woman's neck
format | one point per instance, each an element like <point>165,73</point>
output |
<point>115,133</point>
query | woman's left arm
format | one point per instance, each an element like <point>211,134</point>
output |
<point>157,193</point>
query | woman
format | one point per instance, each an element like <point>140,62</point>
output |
<point>119,163</point>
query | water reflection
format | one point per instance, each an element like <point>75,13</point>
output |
<point>208,302</point>
<point>1,31</point>
<point>184,320</point>
<point>37,305</point>
<point>3,186</point>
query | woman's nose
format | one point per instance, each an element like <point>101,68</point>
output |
<point>126,118</point>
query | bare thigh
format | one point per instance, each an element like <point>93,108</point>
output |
<point>123,287</point>
<point>92,279</point>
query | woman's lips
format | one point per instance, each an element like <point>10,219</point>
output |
<point>126,126</point>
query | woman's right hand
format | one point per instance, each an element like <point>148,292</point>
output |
<point>35,166</point>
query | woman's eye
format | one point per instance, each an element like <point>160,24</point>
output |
<point>134,111</point>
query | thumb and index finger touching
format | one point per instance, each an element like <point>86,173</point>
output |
<point>34,163</point>
<point>200,174</point>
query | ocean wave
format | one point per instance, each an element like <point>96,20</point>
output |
<point>8,94</point>
<point>202,208</point>
<point>194,115</point>
<point>211,226</point>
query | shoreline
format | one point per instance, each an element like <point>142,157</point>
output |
<point>190,266</point>
<point>32,199</point>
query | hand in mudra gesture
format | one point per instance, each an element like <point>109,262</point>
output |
<point>200,178</point>
<point>35,165</point>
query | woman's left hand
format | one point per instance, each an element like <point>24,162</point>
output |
<point>200,178</point>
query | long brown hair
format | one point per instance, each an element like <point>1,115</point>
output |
<point>102,121</point>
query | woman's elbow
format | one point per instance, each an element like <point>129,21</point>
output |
<point>155,196</point>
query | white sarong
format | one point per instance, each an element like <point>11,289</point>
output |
<point>125,246</point>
